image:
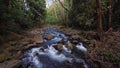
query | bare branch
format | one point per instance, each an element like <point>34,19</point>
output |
<point>63,6</point>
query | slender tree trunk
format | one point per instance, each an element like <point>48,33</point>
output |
<point>99,14</point>
<point>110,13</point>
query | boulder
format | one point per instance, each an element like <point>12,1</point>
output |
<point>64,41</point>
<point>25,41</point>
<point>48,36</point>
<point>59,46</point>
<point>11,64</point>
<point>29,46</point>
<point>69,46</point>
<point>38,39</point>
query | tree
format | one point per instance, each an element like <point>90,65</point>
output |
<point>14,16</point>
<point>110,13</point>
<point>99,15</point>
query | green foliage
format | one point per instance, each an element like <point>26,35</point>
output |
<point>37,7</point>
<point>110,56</point>
<point>15,17</point>
<point>83,14</point>
<point>116,14</point>
<point>55,13</point>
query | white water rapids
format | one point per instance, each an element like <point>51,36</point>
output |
<point>49,57</point>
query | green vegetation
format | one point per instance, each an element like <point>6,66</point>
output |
<point>17,15</point>
<point>22,14</point>
<point>83,13</point>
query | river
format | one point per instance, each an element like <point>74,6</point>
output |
<point>47,56</point>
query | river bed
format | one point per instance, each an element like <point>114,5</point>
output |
<point>47,56</point>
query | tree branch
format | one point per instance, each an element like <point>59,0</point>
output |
<point>63,5</point>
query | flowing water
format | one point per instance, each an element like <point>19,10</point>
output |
<point>47,56</point>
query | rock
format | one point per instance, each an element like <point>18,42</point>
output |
<point>31,41</point>
<point>26,41</point>
<point>48,36</point>
<point>19,48</point>
<point>75,42</point>
<point>11,64</point>
<point>75,37</point>
<point>64,41</point>
<point>18,55</point>
<point>29,46</point>
<point>38,39</point>
<point>59,46</point>
<point>85,40</point>
<point>69,46</point>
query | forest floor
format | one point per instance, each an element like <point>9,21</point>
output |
<point>105,54</point>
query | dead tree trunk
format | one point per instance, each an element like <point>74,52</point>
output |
<point>99,15</point>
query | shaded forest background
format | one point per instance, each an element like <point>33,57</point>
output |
<point>16,15</point>
<point>19,15</point>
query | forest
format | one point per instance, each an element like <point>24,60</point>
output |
<point>59,33</point>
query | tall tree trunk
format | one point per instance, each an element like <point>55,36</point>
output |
<point>110,13</point>
<point>99,14</point>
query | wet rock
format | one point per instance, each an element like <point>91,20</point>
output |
<point>69,46</point>
<point>59,46</point>
<point>11,64</point>
<point>38,39</point>
<point>75,42</point>
<point>29,46</point>
<point>64,41</point>
<point>42,49</point>
<point>48,36</point>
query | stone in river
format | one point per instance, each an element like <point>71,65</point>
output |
<point>59,46</point>
<point>38,39</point>
<point>48,36</point>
